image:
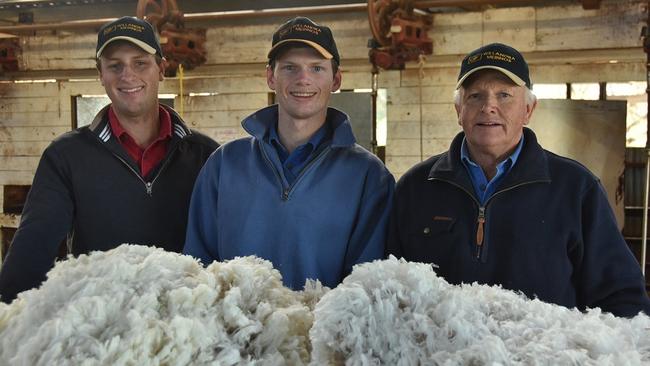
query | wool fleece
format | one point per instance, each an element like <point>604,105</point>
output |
<point>137,305</point>
<point>394,312</point>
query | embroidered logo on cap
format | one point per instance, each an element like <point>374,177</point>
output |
<point>124,26</point>
<point>474,58</point>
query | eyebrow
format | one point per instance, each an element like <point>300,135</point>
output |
<point>141,57</point>
<point>319,62</point>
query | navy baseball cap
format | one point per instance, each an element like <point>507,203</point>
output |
<point>499,57</point>
<point>131,29</point>
<point>303,30</point>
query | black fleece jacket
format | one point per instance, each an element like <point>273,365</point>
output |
<point>88,189</point>
<point>548,231</point>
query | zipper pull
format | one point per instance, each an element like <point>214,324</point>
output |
<point>285,194</point>
<point>149,188</point>
<point>479,230</point>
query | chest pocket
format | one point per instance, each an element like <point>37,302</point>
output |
<point>438,225</point>
<point>431,240</point>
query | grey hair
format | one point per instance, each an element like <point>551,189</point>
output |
<point>531,98</point>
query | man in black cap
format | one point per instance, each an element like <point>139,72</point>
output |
<point>126,178</point>
<point>498,209</point>
<point>299,192</point>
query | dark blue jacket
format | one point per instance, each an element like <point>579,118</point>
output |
<point>548,231</point>
<point>332,216</point>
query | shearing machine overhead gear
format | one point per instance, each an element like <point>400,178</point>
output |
<point>180,45</point>
<point>400,33</point>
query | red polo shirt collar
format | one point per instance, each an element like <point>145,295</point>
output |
<point>149,157</point>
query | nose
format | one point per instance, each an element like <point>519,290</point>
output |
<point>127,72</point>
<point>490,104</point>
<point>303,76</point>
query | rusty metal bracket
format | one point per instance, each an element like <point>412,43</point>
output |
<point>399,33</point>
<point>180,45</point>
<point>10,50</point>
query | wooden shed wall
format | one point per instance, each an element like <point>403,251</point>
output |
<point>562,44</point>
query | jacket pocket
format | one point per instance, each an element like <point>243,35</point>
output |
<point>439,225</point>
<point>431,240</point>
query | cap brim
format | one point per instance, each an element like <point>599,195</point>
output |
<point>516,79</point>
<point>136,42</point>
<point>314,45</point>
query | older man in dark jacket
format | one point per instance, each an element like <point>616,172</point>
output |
<point>498,209</point>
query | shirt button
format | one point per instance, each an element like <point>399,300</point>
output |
<point>426,230</point>
<point>482,187</point>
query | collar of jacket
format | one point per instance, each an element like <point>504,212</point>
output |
<point>100,126</point>
<point>532,165</point>
<point>258,124</point>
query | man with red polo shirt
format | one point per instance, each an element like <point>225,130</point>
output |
<point>126,178</point>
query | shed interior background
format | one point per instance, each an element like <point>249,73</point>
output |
<point>569,48</point>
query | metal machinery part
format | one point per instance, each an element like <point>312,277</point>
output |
<point>399,31</point>
<point>9,52</point>
<point>180,45</point>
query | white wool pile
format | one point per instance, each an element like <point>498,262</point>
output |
<point>394,312</point>
<point>137,305</point>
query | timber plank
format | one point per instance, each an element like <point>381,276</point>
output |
<point>28,90</point>
<point>512,26</point>
<point>23,148</point>
<point>226,102</point>
<point>613,25</point>
<point>17,178</point>
<point>200,119</point>
<point>411,147</point>
<point>36,104</point>
<point>456,33</point>
<point>411,95</point>
<point>19,163</point>
<point>9,134</point>
<point>409,130</point>
<point>438,112</point>
<point>34,119</point>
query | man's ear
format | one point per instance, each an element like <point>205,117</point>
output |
<point>529,111</point>
<point>270,78</point>
<point>162,66</point>
<point>457,107</point>
<point>337,81</point>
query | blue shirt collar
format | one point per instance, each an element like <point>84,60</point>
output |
<point>316,139</point>
<point>483,188</point>
<point>259,123</point>
<point>464,153</point>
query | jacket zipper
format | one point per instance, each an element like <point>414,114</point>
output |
<point>480,231</point>
<point>148,185</point>
<point>286,191</point>
<point>306,168</point>
<point>481,220</point>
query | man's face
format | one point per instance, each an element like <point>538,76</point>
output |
<point>303,81</point>
<point>493,111</point>
<point>131,77</point>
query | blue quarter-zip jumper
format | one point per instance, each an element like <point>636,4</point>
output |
<point>333,215</point>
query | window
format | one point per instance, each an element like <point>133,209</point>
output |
<point>585,91</point>
<point>634,92</point>
<point>550,91</point>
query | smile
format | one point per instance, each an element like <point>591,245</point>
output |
<point>302,94</point>
<point>131,90</point>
